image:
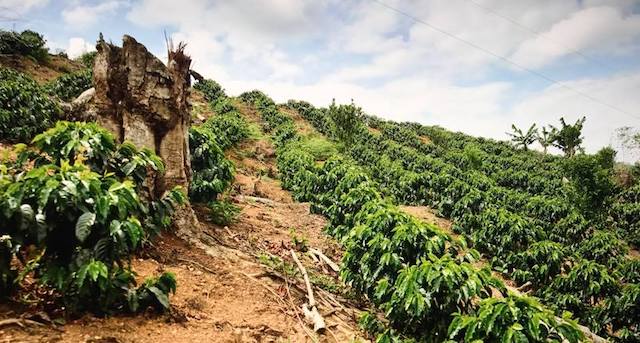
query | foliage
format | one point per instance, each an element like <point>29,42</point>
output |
<point>417,274</point>
<point>539,218</point>
<point>347,121</point>
<point>586,283</point>
<point>25,108</point>
<point>87,59</point>
<point>212,172</point>
<point>592,180</point>
<point>223,212</point>
<point>68,86</point>
<point>568,137</point>
<point>513,319</point>
<point>545,138</point>
<point>210,89</point>
<point>603,247</point>
<point>228,128</point>
<point>539,264</point>
<point>523,139</point>
<point>25,43</point>
<point>74,216</point>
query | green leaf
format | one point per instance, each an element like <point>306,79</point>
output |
<point>84,224</point>
<point>162,297</point>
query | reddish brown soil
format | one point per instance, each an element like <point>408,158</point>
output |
<point>42,73</point>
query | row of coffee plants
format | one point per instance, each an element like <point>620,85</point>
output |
<point>227,124</point>
<point>68,86</point>
<point>25,107</point>
<point>519,231</point>
<point>423,279</point>
<point>213,172</point>
<point>74,208</point>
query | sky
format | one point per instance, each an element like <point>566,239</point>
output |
<point>475,66</point>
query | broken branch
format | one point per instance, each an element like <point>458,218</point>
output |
<point>326,260</point>
<point>310,311</point>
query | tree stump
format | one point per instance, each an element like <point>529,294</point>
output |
<point>143,101</point>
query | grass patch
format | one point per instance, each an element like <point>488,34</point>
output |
<point>318,146</point>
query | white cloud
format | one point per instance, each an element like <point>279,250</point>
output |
<point>596,28</point>
<point>82,15</point>
<point>78,46</point>
<point>547,106</point>
<point>14,9</point>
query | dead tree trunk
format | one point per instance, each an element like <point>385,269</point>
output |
<point>143,101</point>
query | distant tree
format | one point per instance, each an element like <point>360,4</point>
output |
<point>521,139</point>
<point>26,43</point>
<point>347,120</point>
<point>629,140</point>
<point>545,139</point>
<point>592,180</point>
<point>568,137</point>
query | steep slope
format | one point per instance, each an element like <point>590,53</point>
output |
<point>243,287</point>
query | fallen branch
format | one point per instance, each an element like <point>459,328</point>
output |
<point>306,331</point>
<point>20,322</point>
<point>310,311</point>
<point>326,260</point>
<point>265,201</point>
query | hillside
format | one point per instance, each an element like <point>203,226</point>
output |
<point>439,236</point>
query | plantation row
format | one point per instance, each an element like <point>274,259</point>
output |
<point>213,173</point>
<point>423,279</point>
<point>27,108</point>
<point>539,240</point>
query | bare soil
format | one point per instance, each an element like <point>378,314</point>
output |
<point>42,73</point>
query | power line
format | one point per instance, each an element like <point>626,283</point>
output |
<point>505,59</point>
<point>537,33</point>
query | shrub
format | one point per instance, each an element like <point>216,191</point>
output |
<point>87,59</point>
<point>229,129</point>
<point>210,89</point>
<point>26,43</point>
<point>223,212</point>
<point>212,172</point>
<point>513,319</point>
<point>68,86</point>
<point>25,108</point>
<point>74,216</point>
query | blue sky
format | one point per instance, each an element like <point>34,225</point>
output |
<point>388,63</point>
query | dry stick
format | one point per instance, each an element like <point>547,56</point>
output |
<point>310,312</point>
<point>20,322</point>
<point>310,334</point>
<point>326,260</point>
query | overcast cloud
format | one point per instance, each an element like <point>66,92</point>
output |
<point>389,64</point>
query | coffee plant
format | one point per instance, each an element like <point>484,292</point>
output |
<point>73,211</point>
<point>25,108</point>
<point>212,172</point>
<point>68,86</point>
<point>529,213</point>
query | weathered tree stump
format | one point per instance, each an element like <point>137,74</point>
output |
<point>143,101</point>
